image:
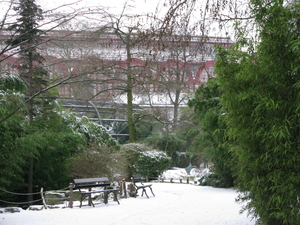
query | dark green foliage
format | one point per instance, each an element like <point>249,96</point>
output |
<point>210,141</point>
<point>50,144</point>
<point>26,37</point>
<point>152,163</point>
<point>11,158</point>
<point>10,83</point>
<point>144,129</point>
<point>91,132</point>
<point>97,155</point>
<point>144,160</point>
<point>131,153</point>
<point>261,98</point>
<point>26,24</point>
<point>170,143</point>
<point>211,180</point>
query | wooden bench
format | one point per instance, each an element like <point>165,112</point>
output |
<point>89,183</point>
<point>139,179</point>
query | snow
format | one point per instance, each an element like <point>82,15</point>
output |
<point>174,204</point>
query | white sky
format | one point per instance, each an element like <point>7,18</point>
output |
<point>113,7</point>
<point>140,6</point>
<point>133,7</point>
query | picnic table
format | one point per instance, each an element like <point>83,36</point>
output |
<point>86,185</point>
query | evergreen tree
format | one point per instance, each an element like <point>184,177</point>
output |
<point>211,141</point>
<point>27,37</point>
<point>261,96</point>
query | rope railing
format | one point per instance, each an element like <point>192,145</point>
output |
<point>14,193</point>
<point>20,203</point>
<point>63,189</point>
<point>20,194</point>
<point>41,193</point>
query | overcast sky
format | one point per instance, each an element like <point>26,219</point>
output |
<point>140,6</point>
<point>115,7</point>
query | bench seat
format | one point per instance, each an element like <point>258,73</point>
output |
<point>89,183</point>
<point>139,179</point>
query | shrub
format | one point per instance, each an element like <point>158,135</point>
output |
<point>168,142</point>
<point>141,159</point>
<point>97,161</point>
<point>131,153</point>
<point>152,163</point>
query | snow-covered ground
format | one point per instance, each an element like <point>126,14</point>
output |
<point>174,203</point>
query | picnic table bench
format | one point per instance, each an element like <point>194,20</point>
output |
<point>89,183</point>
<point>139,179</point>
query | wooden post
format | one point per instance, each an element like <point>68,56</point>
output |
<point>43,199</point>
<point>171,180</point>
<point>71,195</point>
<point>188,180</point>
<point>90,197</point>
<point>180,179</point>
<point>124,188</point>
<point>121,187</point>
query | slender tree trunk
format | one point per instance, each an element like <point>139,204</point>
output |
<point>129,93</point>
<point>30,180</point>
<point>29,76</point>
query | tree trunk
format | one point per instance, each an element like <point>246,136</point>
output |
<point>129,93</point>
<point>30,180</point>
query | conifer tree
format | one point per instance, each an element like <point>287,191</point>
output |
<point>27,36</point>
<point>261,96</point>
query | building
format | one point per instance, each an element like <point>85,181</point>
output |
<point>93,68</point>
<point>103,58</point>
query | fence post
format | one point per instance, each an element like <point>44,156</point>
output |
<point>124,188</point>
<point>43,199</point>
<point>188,180</point>
<point>71,196</point>
<point>121,187</point>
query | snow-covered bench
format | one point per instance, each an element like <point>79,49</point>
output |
<point>89,183</point>
<point>139,179</point>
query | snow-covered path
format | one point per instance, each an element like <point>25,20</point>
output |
<point>174,204</point>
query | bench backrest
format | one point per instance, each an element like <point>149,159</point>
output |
<point>137,178</point>
<point>91,182</point>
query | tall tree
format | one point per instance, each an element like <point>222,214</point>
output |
<point>12,159</point>
<point>210,135</point>
<point>260,88</point>
<point>26,36</point>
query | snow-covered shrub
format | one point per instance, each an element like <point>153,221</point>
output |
<point>152,163</point>
<point>92,132</point>
<point>97,155</point>
<point>211,179</point>
<point>131,153</point>
<point>141,159</point>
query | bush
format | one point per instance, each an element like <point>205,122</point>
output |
<point>152,163</point>
<point>131,153</point>
<point>97,162</point>
<point>168,142</point>
<point>214,180</point>
<point>141,159</point>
